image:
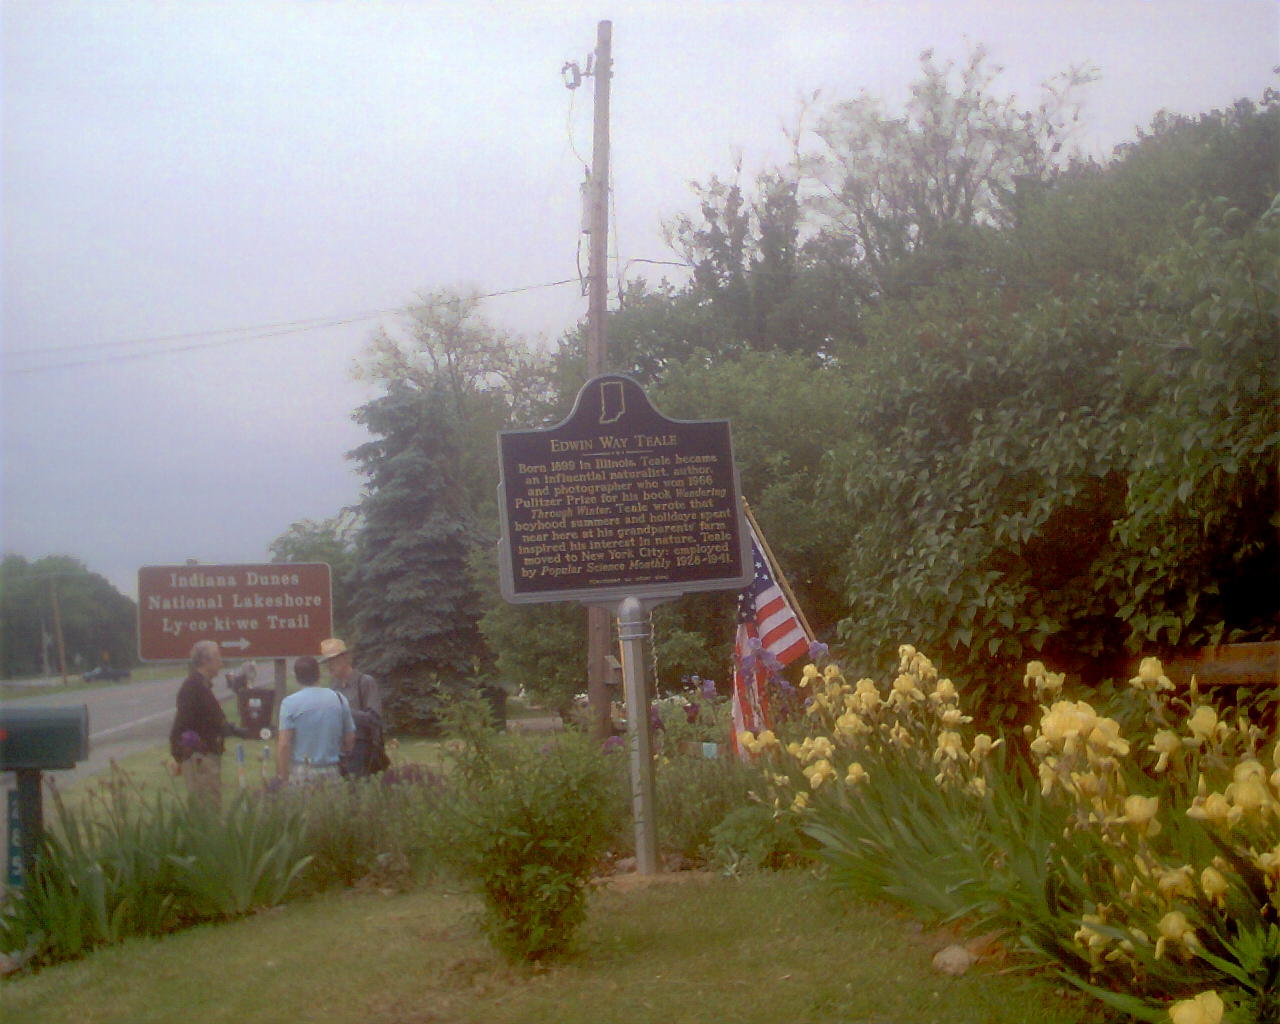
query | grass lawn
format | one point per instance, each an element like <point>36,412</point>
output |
<point>692,948</point>
<point>150,770</point>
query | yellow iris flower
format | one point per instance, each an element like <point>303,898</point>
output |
<point>1165,744</point>
<point>1215,809</point>
<point>819,772</point>
<point>1203,723</point>
<point>1140,812</point>
<point>1176,882</point>
<point>950,746</point>
<point>906,688</point>
<point>1206,1008</point>
<point>850,724</point>
<point>855,774</point>
<point>1151,676</point>
<point>1213,884</point>
<point>1174,930</point>
<point>1269,863</point>
<point>945,692</point>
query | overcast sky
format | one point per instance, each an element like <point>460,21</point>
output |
<point>179,170</point>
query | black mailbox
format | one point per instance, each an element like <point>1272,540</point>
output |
<point>43,738</point>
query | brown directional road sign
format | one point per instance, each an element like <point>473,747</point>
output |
<point>252,611</point>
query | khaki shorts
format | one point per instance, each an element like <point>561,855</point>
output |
<point>203,775</point>
<point>301,774</point>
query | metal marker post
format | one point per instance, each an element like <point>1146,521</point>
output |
<point>281,684</point>
<point>633,629</point>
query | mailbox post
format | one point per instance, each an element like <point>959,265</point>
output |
<point>34,740</point>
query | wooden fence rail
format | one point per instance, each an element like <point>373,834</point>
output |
<point>1256,664</point>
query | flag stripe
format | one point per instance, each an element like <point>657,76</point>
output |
<point>779,627</point>
<point>798,649</point>
<point>766,623</point>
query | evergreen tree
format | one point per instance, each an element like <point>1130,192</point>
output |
<point>416,611</point>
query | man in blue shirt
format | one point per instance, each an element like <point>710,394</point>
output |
<point>316,728</point>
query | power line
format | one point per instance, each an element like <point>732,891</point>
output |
<point>247,333</point>
<point>156,339</point>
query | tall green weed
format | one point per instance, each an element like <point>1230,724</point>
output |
<point>127,863</point>
<point>103,873</point>
<point>243,859</point>
<point>693,795</point>
<point>367,828</point>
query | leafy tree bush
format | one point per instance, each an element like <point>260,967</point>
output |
<point>539,648</point>
<point>99,624</point>
<point>754,837</point>
<point>1082,478</point>
<point>785,412</point>
<point>332,541</point>
<point>757,285</point>
<point>1198,543</point>
<point>903,188</point>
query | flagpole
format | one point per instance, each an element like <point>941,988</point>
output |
<point>776,570</point>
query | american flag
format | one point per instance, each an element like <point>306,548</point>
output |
<point>769,636</point>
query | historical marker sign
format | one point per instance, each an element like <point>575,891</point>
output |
<point>620,501</point>
<point>252,611</point>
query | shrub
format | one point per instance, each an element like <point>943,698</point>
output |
<point>526,825</point>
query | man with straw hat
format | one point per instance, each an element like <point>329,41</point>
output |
<point>365,700</point>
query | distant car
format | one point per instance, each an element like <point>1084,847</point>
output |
<point>105,674</point>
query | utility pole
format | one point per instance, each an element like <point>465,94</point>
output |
<point>45,641</point>
<point>598,208</point>
<point>57,628</point>
<point>599,630</point>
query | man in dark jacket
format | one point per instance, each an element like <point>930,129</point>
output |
<point>199,727</point>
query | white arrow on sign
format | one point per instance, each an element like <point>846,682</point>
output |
<point>242,643</point>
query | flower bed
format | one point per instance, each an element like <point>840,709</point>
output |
<point>1134,848</point>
